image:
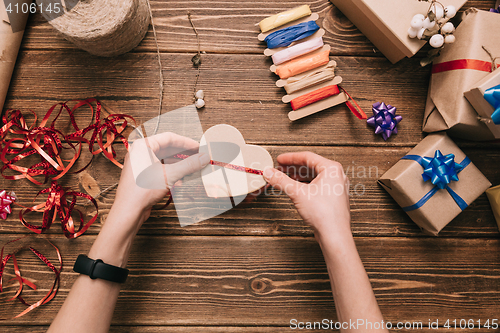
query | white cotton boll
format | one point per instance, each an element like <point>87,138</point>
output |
<point>428,24</point>
<point>438,11</point>
<point>412,33</point>
<point>447,28</point>
<point>437,41</point>
<point>449,39</point>
<point>420,33</point>
<point>450,11</point>
<point>199,103</point>
<point>418,17</point>
<point>200,94</point>
<point>417,22</point>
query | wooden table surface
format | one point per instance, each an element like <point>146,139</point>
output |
<point>256,267</point>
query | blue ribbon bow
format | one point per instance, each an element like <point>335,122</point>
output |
<point>287,36</point>
<point>492,96</point>
<point>440,170</point>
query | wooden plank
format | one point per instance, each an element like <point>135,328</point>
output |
<point>262,281</point>
<point>374,212</point>
<point>225,27</point>
<point>205,329</point>
<point>239,91</point>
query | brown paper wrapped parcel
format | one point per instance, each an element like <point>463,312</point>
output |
<point>447,108</point>
<point>475,96</point>
<point>405,184</point>
<point>11,34</point>
<point>386,22</point>
<point>493,194</point>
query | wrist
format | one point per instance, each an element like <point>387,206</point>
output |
<point>114,241</point>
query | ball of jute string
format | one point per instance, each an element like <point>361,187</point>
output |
<point>104,27</point>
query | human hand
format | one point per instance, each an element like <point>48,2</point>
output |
<point>323,203</point>
<point>157,179</point>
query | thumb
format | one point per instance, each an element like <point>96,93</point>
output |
<point>281,181</point>
<point>179,170</point>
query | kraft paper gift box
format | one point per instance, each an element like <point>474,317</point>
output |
<point>446,107</point>
<point>406,184</point>
<point>11,34</point>
<point>475,96</point>
<point>386,22</point>
<point>494,198</point>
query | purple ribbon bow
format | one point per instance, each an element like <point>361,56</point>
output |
<point>384,119</point>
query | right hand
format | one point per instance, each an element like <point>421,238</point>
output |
<point>324,202</point>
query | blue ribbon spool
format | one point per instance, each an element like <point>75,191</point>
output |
<point>287,36</point>
<point>440,170</point>
<point>492,96</point>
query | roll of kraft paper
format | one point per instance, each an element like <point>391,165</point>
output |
<point>104,27</point>
<point>279,19</point>
<point>11,34</point>
<point>297,50</point>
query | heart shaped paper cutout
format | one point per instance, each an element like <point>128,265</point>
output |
<point>224,182</point>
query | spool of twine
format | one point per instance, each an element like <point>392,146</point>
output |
<point>104,27</point>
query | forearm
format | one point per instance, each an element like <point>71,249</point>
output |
<point>93,301</point>
<point>352,291</point>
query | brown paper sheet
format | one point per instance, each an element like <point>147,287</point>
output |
<point>9,45</point>
<point>405,184</point>
<point>475,96</point>
<point>494,198</point>
<point>386,22</point>
<point>447,108</point>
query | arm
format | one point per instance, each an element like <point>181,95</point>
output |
<point>93,301</point>
<point>323,203</point>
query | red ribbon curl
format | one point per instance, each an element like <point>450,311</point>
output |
<point>57,206</point>
<point>48,142</point>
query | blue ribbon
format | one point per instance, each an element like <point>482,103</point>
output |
<point>440,170</point>
<point>492,96</point>
<point>287,36</point>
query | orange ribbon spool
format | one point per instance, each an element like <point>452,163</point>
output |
<point>303,64</point>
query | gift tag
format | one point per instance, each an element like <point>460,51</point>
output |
<point>226,182</point>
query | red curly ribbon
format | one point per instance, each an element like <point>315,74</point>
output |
<point>48,142</point>
<point>227,165</point>
<point>22,281</point>
<point>478,65</point>
<point>57,206</point>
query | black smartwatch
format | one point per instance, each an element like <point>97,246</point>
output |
<point>97,269</point>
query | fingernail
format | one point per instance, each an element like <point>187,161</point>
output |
<point>204,159</point>
<point>268,173</point>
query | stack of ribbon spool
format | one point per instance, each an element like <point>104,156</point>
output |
<point>302,61</point>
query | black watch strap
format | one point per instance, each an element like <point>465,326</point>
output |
<point>97,269</point>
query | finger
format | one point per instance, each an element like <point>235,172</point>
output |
<point>307,158</point>
<point>300,173</point>
<point>282,182</point>
<point>177,171</point>
<point>166,140</point>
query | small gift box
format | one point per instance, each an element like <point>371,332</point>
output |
<point>11,34</point>
<point>459,67</point>
<point>434,182</point>
<point>493,194</point>
<point>385,23</point>
<point>485,98</point>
